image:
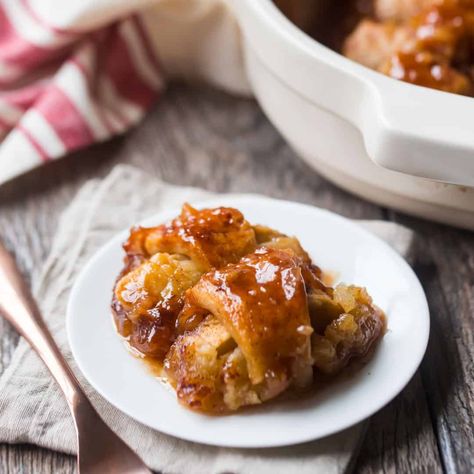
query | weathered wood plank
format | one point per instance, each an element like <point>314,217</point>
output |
<point>445,265</point>
<point>197,136</point>
<point>400,438</point>
<point>27,459</point>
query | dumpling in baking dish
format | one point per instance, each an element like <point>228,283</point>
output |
<point>424,42</point>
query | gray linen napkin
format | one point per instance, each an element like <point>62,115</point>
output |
<point>32,409</point>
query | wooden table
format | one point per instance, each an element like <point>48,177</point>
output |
<point>202,137</point>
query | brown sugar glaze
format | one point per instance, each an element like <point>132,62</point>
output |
<point>441,56</point>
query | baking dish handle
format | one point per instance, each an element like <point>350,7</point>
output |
<point>421,132</point>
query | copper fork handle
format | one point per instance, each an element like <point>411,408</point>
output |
<point>19,308</point>
<point>100,451</point>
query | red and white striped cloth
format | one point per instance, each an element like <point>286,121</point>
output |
<point>77,72</point>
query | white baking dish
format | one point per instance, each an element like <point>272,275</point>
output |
<point>403,146</point>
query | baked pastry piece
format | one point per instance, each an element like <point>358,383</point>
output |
<point>347,325</point>
<point>425,42</point>
<point>254,337</point>
<point>238,313</point>
<point>162,262</point>
<point>255,328</point>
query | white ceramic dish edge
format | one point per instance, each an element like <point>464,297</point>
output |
<point>297,92</point>
<point>406,128</point>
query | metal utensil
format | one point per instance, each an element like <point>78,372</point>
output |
<point>99,449</point>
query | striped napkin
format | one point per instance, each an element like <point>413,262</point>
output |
<point>77,72</point>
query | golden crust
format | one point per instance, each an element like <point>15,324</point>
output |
<point>194,365</point>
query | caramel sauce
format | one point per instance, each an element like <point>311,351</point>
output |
<point>210,237</point>
<point>419,69</point>
<point>134,247</point>
<point>441,53</point>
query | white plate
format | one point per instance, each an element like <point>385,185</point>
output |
<point>335,244</point>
